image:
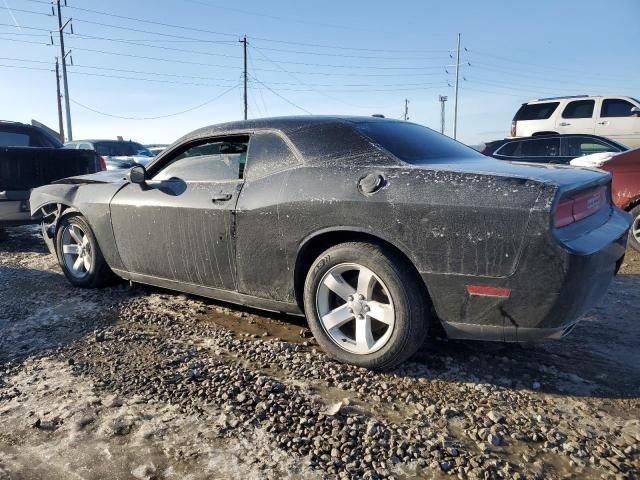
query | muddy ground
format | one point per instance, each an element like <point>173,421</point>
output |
<point>136,382</point>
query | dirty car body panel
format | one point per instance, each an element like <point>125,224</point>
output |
<point>479,232</point>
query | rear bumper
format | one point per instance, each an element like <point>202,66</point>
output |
<point>553,286</point>
<point>14,208</point>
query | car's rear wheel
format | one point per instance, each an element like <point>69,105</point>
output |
<point>79,254</point>
<point>365,305</point>
<point>634,233</point>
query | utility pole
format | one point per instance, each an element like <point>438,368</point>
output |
<point>442,98</point>
<point>63,56</point>
<point>406,109</point>
<point>59,101</point>
<point>455,108</point>
<point>244,47</point>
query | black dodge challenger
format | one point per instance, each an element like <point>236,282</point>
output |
<point>373,228</point>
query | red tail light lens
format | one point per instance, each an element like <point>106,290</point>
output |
<point>101,161</point>
<point>573,208</point>
<point>513,128</point>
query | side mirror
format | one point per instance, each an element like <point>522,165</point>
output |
<point>137,174</point>
<point>635,111</point>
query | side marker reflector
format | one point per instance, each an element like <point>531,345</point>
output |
<point>488,291</point>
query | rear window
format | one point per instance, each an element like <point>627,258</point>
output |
<point>121,149</point>
<point>17,136</point>
<point>414,143</point>
<point>11,139</point>
<point>536,111</point>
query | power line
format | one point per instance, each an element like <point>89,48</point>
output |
<point>303,83</point>
<point>159,116</point>
<point>203,64</point>
<point>236,35</point>
<point>287,19</point>
<point>282,97</point>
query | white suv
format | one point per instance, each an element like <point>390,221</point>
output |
<point>615,117</point>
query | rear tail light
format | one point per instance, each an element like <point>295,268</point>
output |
<point>101,161</point>
<point>577,206</point>
<point>513,128</point>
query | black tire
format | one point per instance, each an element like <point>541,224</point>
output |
<point>634,240</point>
<point>99,273</point>
<point>409,297</point>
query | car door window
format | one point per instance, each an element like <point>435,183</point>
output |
<point>616,107</point>
<point>579,109</point>
<point>579,146</point>
<point>84,146</point>
<point>508,149</point>
<point>541,149</point>
<point>216,160</point>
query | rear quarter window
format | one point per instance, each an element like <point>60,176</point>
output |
<point>414,143</point>
<point>268,153</point>
<point>536,111</point>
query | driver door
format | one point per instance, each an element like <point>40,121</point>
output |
<point>179,224</point>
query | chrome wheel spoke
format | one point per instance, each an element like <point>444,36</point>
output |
<point>76,234</point>
<point>71,249</point>
<point>383,312</point>
<point>87,262</point>
<point>79,263</point>
<point>364,335</point>
<point>366,280</point>
<point>85,240</point>
<point>337,317</point>
<point>337,285</point>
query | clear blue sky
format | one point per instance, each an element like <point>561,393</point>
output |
<point>384,52</point>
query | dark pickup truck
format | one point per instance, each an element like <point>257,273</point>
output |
<point>30,157</point>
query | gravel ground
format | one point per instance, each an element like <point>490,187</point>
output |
<point>136,382</point>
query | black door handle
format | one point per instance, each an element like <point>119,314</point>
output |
<point>220,197</point>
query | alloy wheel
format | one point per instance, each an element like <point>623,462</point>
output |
<point>76,251</point>
<point>355,308</point>
<point>635,228</point>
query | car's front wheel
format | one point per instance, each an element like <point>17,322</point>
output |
<point>634,233</point>
<point>365,305</point>
<point>79,254</point>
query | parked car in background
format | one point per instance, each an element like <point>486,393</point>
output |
<point>156,148</point>
<point>376,229</point>
<point>597,152</point>
<point>31,157</point>
<point>118,154</point>
<point>550,148</point>
<point>625,187</point>
<point>617,118</point>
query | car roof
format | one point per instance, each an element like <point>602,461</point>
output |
<point>94,140</point>
<point>284,124</point>
<point>573,97</point>
<point>557,135</point>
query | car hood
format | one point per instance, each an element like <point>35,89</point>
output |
<point>140,159</point>
<point>106,176</point>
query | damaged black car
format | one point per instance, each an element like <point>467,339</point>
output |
<point>375,229</point>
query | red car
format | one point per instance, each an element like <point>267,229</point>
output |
<point>625,188</point>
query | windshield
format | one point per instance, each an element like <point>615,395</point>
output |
<point>414,143</point>
<point>121,149</point>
